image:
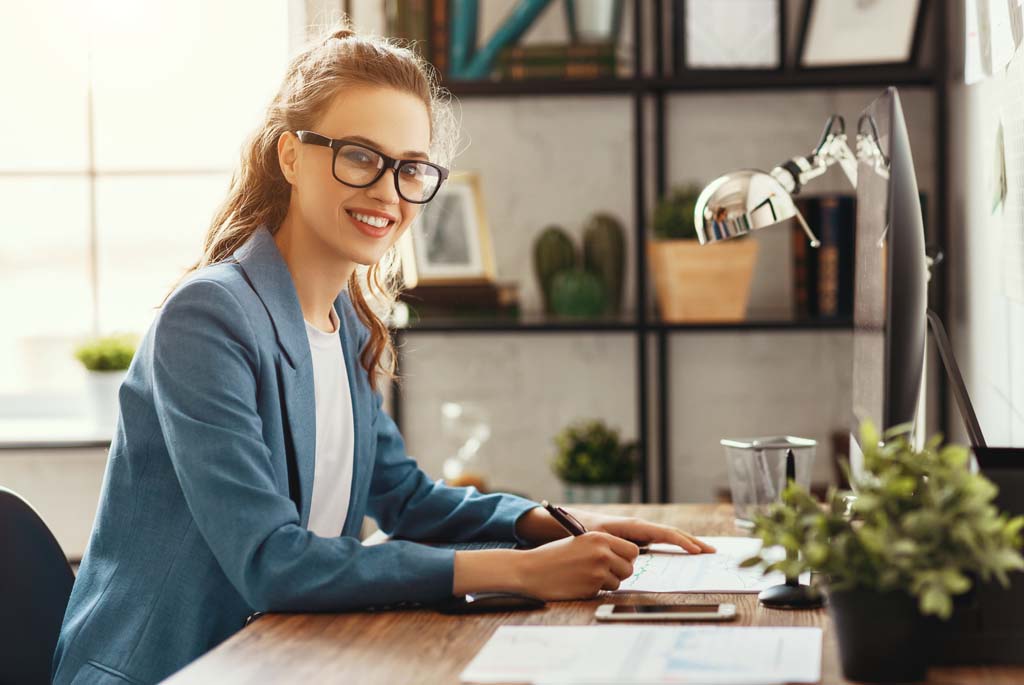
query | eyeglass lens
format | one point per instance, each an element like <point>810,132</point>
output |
<point>359,166</point>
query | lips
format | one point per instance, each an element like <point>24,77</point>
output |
<point>367,229</point>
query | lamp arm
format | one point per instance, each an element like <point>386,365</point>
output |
<point>798,171</point>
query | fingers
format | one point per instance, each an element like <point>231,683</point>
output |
<point>624,548</point>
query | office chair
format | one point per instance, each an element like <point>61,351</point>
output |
<point>35,584</point>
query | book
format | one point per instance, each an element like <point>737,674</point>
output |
<point>438,44</point>
<point>477,297</point>
<point>805,264</point>
<point>823,284</point>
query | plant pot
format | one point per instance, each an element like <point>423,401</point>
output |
<point>702,282</point>
<point>597,493</point>
<point>101,392</point>
<point>882,636</point>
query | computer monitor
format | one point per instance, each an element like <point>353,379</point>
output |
<point>891,280</point>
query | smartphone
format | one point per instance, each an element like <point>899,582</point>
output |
<point>665,612</point>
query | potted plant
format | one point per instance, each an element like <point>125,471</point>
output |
<point>595,466</point>
<point>106,360</point>
<point>921,530</point>
<point>697,282</point>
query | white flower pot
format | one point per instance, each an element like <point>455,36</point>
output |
<point>101,392</point>
<point>597,493</point>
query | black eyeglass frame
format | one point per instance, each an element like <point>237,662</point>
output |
<point>311,138</point>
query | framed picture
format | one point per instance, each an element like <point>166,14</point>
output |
<point>729,34</point>
<point>845,33</point>
<point>449,241</point>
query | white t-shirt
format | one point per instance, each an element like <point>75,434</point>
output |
<point>332,475</point>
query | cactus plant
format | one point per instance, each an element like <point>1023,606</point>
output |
<point>578,293</point>
<point>553,252</point>
<point>604,254</point>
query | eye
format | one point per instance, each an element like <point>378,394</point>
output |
<point>412,170</point>
<point>357,155</point>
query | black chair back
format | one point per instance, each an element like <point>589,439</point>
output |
<point>35,584</point>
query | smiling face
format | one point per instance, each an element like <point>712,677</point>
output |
<point>348,225</point>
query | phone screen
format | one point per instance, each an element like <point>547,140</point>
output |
<point>666,609</point>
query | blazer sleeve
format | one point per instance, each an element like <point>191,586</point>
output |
<point>406,503</point>
<point>205,366</point>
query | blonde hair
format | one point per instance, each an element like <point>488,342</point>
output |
<point>259,193</point>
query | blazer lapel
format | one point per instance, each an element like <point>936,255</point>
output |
<point>355,383</point>
<point>268,275</point>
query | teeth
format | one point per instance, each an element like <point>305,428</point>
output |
<point>378,221</point>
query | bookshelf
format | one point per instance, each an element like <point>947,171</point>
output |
<point>648,95</point>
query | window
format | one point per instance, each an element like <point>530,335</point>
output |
<point>122,121</point>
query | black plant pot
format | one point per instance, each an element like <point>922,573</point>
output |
<point>882,636</point>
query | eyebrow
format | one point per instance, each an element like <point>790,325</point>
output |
<point>372,143</point>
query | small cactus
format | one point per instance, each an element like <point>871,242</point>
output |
<point>553,252</point>
<point>604,254</point>
<point>578,293</point>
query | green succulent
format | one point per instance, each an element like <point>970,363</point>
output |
<point>108,353</point>
<point>590,452</point>
<point>921,523</point>
<point>673,216</point>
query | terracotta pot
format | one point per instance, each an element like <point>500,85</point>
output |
<point>698,282</point>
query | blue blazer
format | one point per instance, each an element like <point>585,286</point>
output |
<point>205,500</point>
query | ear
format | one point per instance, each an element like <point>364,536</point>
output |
<point>287,155</point>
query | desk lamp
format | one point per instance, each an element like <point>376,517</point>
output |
<point>750,199</point>
<point>737,203</point>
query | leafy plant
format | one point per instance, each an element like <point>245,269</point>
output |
<point>673,216</point>
<point>590,452</point>
<point>108,353</point>
<point>921,523</point>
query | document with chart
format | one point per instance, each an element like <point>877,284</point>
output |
<point>574,655</point>
<point>668,568</point>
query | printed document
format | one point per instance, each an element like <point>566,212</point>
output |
<point>668,568</point>
<point>704,654</point>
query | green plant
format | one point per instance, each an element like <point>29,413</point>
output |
<point>604,254</point>
<point>578,293</point>
<point>107,353</point>
<point>590,452</point>
<point>673,216</point>
<point>553,252</point>
<point>921,523</point>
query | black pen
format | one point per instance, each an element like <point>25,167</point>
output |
<point>569,522</point>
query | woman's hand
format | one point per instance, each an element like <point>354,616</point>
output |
<point>577,567</point>
<point>639,531</point>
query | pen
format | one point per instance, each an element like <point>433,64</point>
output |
<point>569,522</point>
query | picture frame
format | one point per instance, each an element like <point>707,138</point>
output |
<point>851,33</point>
<point>449,243</point>
<point>698,17</point>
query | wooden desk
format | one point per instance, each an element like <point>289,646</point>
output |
<point>426,647</point>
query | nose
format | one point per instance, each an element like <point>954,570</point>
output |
<point>384,189</point>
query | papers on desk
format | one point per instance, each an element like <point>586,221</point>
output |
<point>709,655</point>
<point>669,569</point>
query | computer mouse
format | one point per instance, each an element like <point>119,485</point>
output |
<point>485,602</point>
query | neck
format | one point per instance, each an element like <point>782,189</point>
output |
<point>318,275</point>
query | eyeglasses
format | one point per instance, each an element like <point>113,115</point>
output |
<point>359,166</point>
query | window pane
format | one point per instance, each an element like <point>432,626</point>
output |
<point>182,84</point>
<point>45,297</point>
<point>43,53</point>
<point>150,230</point>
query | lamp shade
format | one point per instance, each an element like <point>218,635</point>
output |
<point>740,202</point>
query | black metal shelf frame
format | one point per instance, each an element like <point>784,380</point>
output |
<point>656,89</point>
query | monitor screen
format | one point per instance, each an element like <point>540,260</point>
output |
<point>890,293</point>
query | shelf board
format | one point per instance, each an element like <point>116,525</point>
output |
<point>525,324</point>
<point>779,325</point>
<point>790,79</point>
<point>555,325</point>
<point>710,80</point>
<point>600,86</point>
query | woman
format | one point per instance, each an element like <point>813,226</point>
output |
<point>251,440</point>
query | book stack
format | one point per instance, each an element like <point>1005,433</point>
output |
<point>557,61</point>
<point>474,299</point>
<point>823,278</point>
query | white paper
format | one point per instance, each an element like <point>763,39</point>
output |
<point>647,654</point>
<point>1003,46</point>
<point>669,569</point>
<point>974,70</point>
